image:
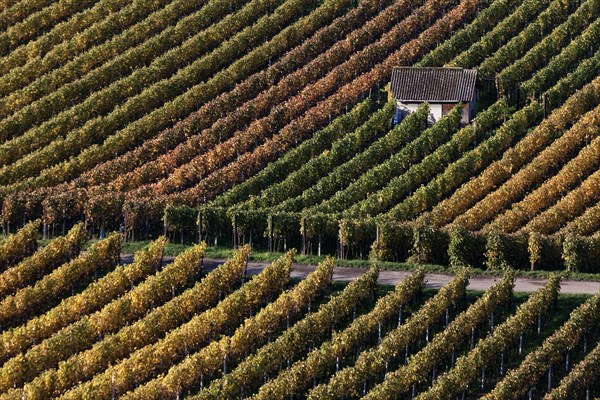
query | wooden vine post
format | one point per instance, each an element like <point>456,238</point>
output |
<point>319,249</point>
<point>270,233</point>
<point>235,235</point>
<point>165,225</point>
<point>304,249</point>
<point>199,226</point>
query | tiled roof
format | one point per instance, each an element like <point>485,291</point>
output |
<point>433,84</point>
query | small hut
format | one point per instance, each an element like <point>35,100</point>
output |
<point>442,88</point>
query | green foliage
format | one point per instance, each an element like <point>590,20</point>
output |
<point>83,333</point>
<point>572,252</point>
<point>27,24</point>
<point>393,163</point>
<point>341,151</point>
<point>458,247</point>
<point>423,244</point>
<point>400,381</point>
<point>495,250</point>
<point>462,40</point>
<point>215,114</point>
<point>293,340</point>
<point>581,377</point>
<point>394,243</point>
<point>342,343</point>
<point>535,245</point>
<point>372,363</point>
<point>468,367</point>
<point>180,218</point>
<point>296,157</point>
<point>499,35</point>
<point>519,380</point>
<point>60,282</point>
<point>148,361</point>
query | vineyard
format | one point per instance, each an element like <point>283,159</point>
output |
<point>269,121</point>
<point>272,125</point>
<point>91,327</point>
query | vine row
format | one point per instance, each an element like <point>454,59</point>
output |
<point>581,377</point>
<point>154,358</point>
<point>420,364</point>
<point>394,140</point>
<point>341,151</point>
<point>372,363</point>
<point>204,294</point>
<point>166,78</point>
<point>255,331</point>
<point>17,247</point>
<point>426,141</point>
<point>400,175</point>
<point>517,381</point>
<point>87,330</point>
<point>288,112</point>
<point>556,12</point>
<point>114,284</point>
<point>470,163</point>
<point>250,99</point>
<point>56,253</point>
<point>468,367</point>
<point>407,53</point>
<point>304,334</point>
<point>296,157</point>
<point>48,61</point>
<point>300,374</point>
<point>542,140</point>
<point>51,288</point>
<point>502,33</point>
<point>38,22</point>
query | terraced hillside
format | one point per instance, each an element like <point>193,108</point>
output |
<point>87,326</point>
<point>112,112</point>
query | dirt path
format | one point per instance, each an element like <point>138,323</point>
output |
<point>434,281</point>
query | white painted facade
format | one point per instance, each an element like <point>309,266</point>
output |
<point>436,111</point>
